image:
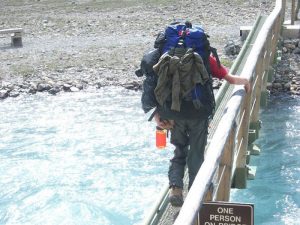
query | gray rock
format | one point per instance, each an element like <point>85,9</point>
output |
<point>293,87</point>
<point>54,90</point>
<point>74,89</point>
<point>269,86</point>
<point>277,85</point>
<point>3,94</point>
<point>33,85</point>
<point>67,87</point>
<point>32,88</point>
<point>132,86</point>
<point>43,87</point>
<point>295,92</point>
<point>232,47</point>
<point>23,86</point>
<point>296,50</point>
<point>290,46</point>
<point>79,86</point>
<point>7,85</point>
<point>285,50</point>
<point>290,42</point>
<point>60,70</point>
<point>287,86</point>
<point>14,94</point>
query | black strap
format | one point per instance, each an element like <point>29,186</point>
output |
<point>215,54</point>
<point>152,115</point>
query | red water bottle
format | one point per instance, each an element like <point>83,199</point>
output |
<point>161,137</point>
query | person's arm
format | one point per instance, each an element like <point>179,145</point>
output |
<point>233,79</point>
<point>221,72</point>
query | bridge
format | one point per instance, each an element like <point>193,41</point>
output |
<point>236,123</point>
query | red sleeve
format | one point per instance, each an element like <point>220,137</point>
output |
<point>217,71</point>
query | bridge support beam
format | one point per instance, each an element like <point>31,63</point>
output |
<point>264,98</point>
<point>254,128</point>
<point>244,32</point>
<point>16,40</point>
<point>252,136</point>
<point>254,149</point>
<point>240,178</point>
<point>271,73</point>
<point>291,31</point>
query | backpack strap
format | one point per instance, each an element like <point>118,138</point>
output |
<point>215,54</point>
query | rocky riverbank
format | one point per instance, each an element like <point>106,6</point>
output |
<point>81,45</point>
<point>287,71</point>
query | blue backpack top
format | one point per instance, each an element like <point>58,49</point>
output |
<point>192,36</point>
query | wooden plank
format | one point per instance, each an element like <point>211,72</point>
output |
<point>293,13</point>
<point>225,170</point>
<point>297,10</point>
<point>244,32</point>
<point>11,30</point>
<point>291,31</point>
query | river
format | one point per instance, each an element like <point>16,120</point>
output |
<point>90,158</point>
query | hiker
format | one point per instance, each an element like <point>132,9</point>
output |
<point>189,136</point>
<point>178,85</point>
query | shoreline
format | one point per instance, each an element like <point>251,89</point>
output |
<point>74,46</point>
<point>287,70</point>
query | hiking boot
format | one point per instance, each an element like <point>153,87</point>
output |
<point>175,196</point>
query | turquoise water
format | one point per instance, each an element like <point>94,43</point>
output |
<point>275,191</point>
<point>78,159</point>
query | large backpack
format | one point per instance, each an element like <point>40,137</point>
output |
<point>187,36</point>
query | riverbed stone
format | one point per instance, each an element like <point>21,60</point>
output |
<point>287,86</point>
<point>43,87</point>
<point>74,89</point>
<point>296,50</point>
<point>14,94</point>
<point>232,47</point>
<point>67,87</point>
<point>79,86</point>
<point>54,90</point>
<point>3,94</point>
<point>287,76</point>
<point>7,85</point>
<point>32,88</point>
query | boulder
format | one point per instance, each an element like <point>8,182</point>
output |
<point>3,94</point>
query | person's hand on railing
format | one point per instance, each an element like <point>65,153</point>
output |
<point>233,79</point>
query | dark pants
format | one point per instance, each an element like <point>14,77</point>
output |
<point>189,138</point>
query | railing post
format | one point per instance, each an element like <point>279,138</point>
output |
<point>297,10</point>
<point>258,86</point>
<point>293,12</point>
<point>240,173</point>
<point>264,92</point>
<point>225,169</point>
